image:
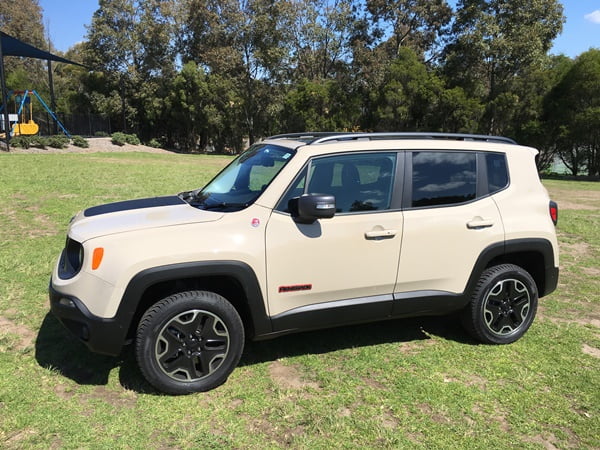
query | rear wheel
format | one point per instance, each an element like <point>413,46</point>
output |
<point>502,306</point>
<point>189,342</point>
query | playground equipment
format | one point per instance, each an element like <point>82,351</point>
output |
<point>24,126</point>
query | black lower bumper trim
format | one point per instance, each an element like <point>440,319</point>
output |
<point>100,335</point>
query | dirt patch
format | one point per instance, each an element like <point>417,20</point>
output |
<point>548,442</point>
<point>576,248</point>
<point>564,204</point>
<point>498,417</point>
<point>374,384</point>
<point>26,336</point>
<point>591,271</point>
<point>96,145</point>
<point>434,415</point>
<point>413,348</point>
<point>389,421</point>
<point>345,412</point>
<point>283,436</point>
<point>589,350</point>
<point>15,440</point>
<point>576,199</point>
<point>289,377</point>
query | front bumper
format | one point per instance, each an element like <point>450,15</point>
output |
<point>100,335</point>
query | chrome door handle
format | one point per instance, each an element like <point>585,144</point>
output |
<point>380,234</point>
<point>479,223</point>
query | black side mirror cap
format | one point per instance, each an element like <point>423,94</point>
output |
<point>310,207</point>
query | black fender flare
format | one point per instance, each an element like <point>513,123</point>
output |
<point>240,271</point>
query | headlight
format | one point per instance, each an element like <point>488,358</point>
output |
<point>71,259</point>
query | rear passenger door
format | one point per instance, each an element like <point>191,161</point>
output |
<point>449,219</point>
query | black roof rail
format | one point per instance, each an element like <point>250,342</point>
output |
<point>322,137</point>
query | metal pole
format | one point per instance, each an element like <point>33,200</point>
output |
<point>52,97</point>
<point>4,99</point>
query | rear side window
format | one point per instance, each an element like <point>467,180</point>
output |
<point>443,178</point>
<point>497,172</point>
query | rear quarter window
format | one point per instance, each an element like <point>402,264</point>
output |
<point>497,171</point>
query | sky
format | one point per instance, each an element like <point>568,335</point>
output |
<point>66,20</point>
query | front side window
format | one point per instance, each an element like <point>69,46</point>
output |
<point>359,182</point>
<point>241,182</point>
<point>443,178</point>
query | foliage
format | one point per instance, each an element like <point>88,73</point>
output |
<point>24,22</point>
<point>573,112</point>
<point>58,141</point>
<point>21,142</point>
<point>79,141</point>
<point>154,143</point>
<point>206,75</point>
<point>493,43</point>
<point>121,139</point>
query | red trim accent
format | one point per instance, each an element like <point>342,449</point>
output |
<point>295,288</point>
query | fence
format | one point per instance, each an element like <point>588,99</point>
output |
<point>76,124</point>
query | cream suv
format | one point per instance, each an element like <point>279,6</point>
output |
<point>306,231</point>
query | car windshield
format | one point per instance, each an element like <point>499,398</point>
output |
<point>241,182</point>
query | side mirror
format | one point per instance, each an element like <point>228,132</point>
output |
<point>309,207</point>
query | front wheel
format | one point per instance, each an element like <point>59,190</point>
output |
<point>189,342</point>
<point>503,305</point>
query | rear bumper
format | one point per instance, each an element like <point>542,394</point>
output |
<point>100,335</point>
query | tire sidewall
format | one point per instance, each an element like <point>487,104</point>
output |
<point>164,311</point>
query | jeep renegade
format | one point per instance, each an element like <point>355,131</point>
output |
<point>312,230</point>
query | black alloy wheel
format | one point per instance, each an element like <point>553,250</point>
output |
<point>189,342</point>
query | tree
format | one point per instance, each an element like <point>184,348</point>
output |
<point>573,110</point>
<point>494,42</point>
<point>530,126</point>
<point>245,41</point>
<point>417,24</point>
<point>113,48</point>
<point>24,22</point>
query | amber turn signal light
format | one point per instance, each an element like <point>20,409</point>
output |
<point>97,257</point>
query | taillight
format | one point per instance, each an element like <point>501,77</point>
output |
<point>554,212</point>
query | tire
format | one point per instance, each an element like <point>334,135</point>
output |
<point>189,342</point>
<point>503,305</point>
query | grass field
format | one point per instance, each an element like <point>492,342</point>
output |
<point>419,383</point>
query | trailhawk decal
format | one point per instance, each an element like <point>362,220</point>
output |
<point>294,288</point>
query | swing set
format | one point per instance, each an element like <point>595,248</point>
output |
<point>20,124</point>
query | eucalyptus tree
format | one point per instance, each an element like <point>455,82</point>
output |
<point>418,24</point>
<point>23,20</point>
<point>493,43</point>
<point>573,112</point>
<point>244,41</point>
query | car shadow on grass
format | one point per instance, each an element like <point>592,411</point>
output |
<point>57,350</point>
<point>364,335</point>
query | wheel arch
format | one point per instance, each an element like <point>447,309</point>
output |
<point>234,280</point>
<point>535,255</point>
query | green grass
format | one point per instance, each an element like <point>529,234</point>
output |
<point>418,383</point>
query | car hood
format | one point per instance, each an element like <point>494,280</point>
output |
<point>133,215</point>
